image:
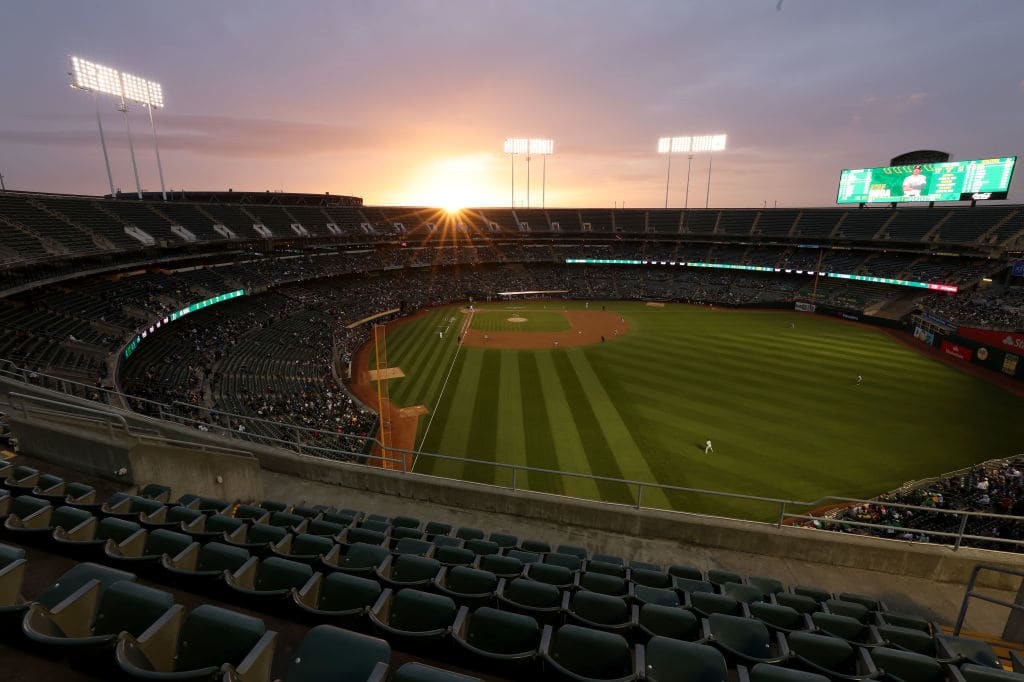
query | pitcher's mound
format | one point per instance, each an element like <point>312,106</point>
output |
<point>517,319</point>
<point>386,373</point>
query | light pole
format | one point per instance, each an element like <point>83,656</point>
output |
<point>545,148</point>
<point>689,164</point>
<point>513,146</point>
<point>690,145</point>
<point>667,145</point>
<point>98,79</point>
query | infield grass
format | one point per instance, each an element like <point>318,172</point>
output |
<point>532,321</point>
<point>780,404</point>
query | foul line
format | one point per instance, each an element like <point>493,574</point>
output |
<point>458,348</point>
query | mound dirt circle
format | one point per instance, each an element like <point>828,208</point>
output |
<point>517,320</point>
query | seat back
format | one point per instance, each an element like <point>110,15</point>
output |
<point>982,673</point>
<point>502,632</point>
<point>364,536</point>
<point>645,576</point>
<point>839,626</point>
<point>10,554</point>
<point>344,592</point>
<point>69,517</point>
<point>178,514</point>
<point>409,568</point>
<point>694,586</point>
<point>655,595</point>
<point>815,593</point>
<point>744,635</point>
<point>870,603</point>
<point>260,533</point>
<point>580,553</point>
<point>155,491</point>
<point>774,615</point>
<point>437,528</point>
<point>130,607</point>
<point>907,666</point>
<point>599,608</point>
<point>466,533</point>
<point>524,557</point>
<point>797,602</point>
<point>330,653</point>
<point>504,540</point>
<point>478,547</point>
<point>719,577</point>
<point>416,611</point>
<point>466,580</point>
<point>249,511</point>
<point>569,561</point>
<point>503,566</point>
<point>324,528</point>
<point>115,529</point>
<point>748,594</point>
<point>608,559</point>
<point>971,650</point>
<point>591,653</point>
<point>454,555</point>
<point>666,658</point>
<point>412,546</point>
<point>908,638</point>
<point>707,603</point>
<point>311,545</point>
<point>684,571</point>
<point>26,505</point>
<point>617,570</point>
<point>405,522</point>
<point>848,609</point>
<point>537,546</point>
<point>219,523</point>
<point>216,556</point>
<point>284,519</point>
<point>78,576</point>
<point>532,593</point>
<point>767,672</point>
<point>766,585</point>
<point>605,584</point>
<point>163,541</point>
<point>830,653</point>
<point>644,565</point>
<point>552,575</point>
<point>361,555</point>
<point>275,573</point>
<point>668,621</point>
<point>212,636</point>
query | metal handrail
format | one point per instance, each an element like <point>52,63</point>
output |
<point>168,413</point>
<point>969,593</point>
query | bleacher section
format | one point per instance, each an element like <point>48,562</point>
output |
<point>912,224</point>
<point>699,222</point>
<point>775,222</point>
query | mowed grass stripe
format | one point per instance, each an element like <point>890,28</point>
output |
<point>569,452</point>
<point>538,434</point>
<point>510,429</point>
<point>602,459</point>
<point>483,425</point>
<point>446,410</point>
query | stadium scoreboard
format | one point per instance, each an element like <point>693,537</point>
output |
<point>975,180</point>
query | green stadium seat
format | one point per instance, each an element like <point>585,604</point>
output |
<point>207,505</point>
<point>830,656</point>
<point>768,672</point>
<point>171,518</point>
<point>358,559</point>
<point>50,488</point>
<point>905,620</point>
<point>982,673</point>
<point>324,528</point>
<point>155,491</point>
<point>21,480</point>
<point>904,666</point>
<point>258,538</point>
<point>413,616</point>
<point>271,579</point>
<point>447,541</point>
<point>467,586</point>
<point>408,570</point>
<point>529,597</point>
<point>720,577</point>
<point>643,565</point>
<point>88,621</point>
<point>78,577</point>
<point>653,595</point>
<point>570,561</point>
<point>479,547</point>
<point>908,639</point>
<point>201,566</point>
<point>405,522</point>
<point>580,553</point>
<point>213,527</point>
<point>498,638</point>
<point>88,539</point>
<point>28,516</point>
<point>780,618</point>
<point>501,566</point>
<point>748,594</point>
<point>305,548</point>
<point>599,611</point>
<point>418,672</point>
<point>584,655</point>
<point>667,621</point>
<point>143,551</point>
<point>675,660</point>
<point>437,528</point>
<point>12,577</point>
<point>364,536</point>
<point>251,513</point>
<point>131,507</point>
<point>293,522</point>
<point>454,556</point>
<point>848,609</point>
<point>81,495</point>
<point>964,650</point>
<point>870,603</point>
<point>706,603</point>
<point>337,598</point>
<point>209,641</point>
<point>608,559</point>
<point>617,570</point>
<point>766,585</point>
<point>691,586</point>
<point>307,512</point>
<point>466,533</point>
<point>683,571</point>
<point>330,654</point>
<point>406,533</point>
<point>525,557</point>
<point>274,506</point>
<point>504,540</point>
<point>844,627</point>
<point>413,546</point>
<point>649,578</point>
<point>377,518</point>
<point>797,602</point>
<point>343,518</point>
<point>744,640</point>
<point>559,576</point>
<point>535,546</point>
<point>605,584</point>
<point>816,593</point>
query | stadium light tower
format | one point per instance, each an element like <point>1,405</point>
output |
<point>513,146</point>
<point>667,145</point>
<point>545,148</point>
<point>98,79</point>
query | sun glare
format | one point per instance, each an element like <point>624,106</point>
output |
<point>456,183</point>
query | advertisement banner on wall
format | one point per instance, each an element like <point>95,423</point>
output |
<point>1008,341</point>
<point>926,336</point>
<point>805,307</point>
<point>958,352</point>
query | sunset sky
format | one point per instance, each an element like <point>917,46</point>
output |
<point>410,102</point>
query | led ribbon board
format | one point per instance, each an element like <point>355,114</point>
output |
<point>177,315</point>
<point>935,286</point>
<point>976,180</point>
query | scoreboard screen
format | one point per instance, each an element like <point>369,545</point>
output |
<point>949,181</point>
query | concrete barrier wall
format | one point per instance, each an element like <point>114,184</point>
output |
<point>209,474</point>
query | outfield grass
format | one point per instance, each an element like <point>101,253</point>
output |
<point>536,321</point>
<point>779,403</point>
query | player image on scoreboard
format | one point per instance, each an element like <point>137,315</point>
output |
<point>914,185</point>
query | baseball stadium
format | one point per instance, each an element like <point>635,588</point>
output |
<point>305,436</point>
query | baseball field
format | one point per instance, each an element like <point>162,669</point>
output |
<point>635,391</point>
